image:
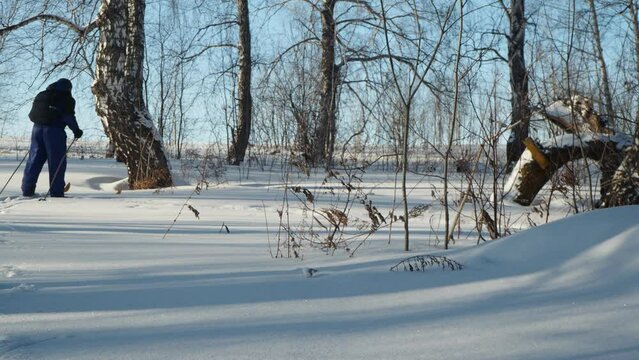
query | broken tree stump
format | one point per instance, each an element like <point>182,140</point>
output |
<point>528,176</point>
<point>587,137</point>
<point>537,155</point>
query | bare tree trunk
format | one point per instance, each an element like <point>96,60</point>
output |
<point>244,101</point>
<point>520,118</point>
<point>624,186</point>
<point>415,81</point>
<point>118,91</point>
<point>179,118</point>
<point>453,124</point>
<point>405,134</point>
<point>602,62</point>
<point>302,141</point>
<point>325,131</point>
<point>161,114</point>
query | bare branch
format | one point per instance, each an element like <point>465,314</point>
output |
<point>82,31</point>
<point>204,49</point>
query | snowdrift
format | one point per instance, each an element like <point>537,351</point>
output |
<point>602,238</point>
<point>590,253</point>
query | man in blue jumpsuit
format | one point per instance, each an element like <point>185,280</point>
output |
<point>49,142</point>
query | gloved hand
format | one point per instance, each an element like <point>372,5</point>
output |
<point>78,134</point>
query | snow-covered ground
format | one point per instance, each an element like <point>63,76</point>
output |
<point>93,276</point>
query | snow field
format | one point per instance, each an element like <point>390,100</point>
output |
<point>91,277</point>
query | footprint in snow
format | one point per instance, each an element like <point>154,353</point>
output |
<point>309,272</point>
<point>11,347</point>
<point>22,288</point>
<point>4,238</point>
<point>9,272</point>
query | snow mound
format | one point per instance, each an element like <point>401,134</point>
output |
<point>601,240</point>
<point>108,183</point>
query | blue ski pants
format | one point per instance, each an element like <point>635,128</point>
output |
<point>48,144</point>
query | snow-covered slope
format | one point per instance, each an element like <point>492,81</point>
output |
<point>91,277</point>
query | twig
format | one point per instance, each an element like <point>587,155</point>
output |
<point>421,262</point>
<point>268,232</point>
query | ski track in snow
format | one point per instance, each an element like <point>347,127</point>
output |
<point>4,238</point>
<point>11,201</point>
<point>14,348</point>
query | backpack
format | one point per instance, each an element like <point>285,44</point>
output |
<point>44,109</point>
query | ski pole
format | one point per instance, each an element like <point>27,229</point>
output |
<point>55,175</point>
<point>14,172</point>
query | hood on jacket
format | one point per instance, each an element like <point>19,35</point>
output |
<point>61,85</point>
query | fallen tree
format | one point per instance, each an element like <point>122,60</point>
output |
<point>585,136</point>
<point>540,161</point>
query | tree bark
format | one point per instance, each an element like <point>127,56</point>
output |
<point>118,88</point>
<point>520,117</point>
<point>624,186</point>
<point>244,101</point>
<point>625,181</point>
<point>324,136</point>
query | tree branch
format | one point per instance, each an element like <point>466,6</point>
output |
<point>82,31</point>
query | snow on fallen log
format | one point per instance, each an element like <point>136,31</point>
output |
<point>528,176</point>
<point>575,115</point>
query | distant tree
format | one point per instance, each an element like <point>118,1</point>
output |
<point>324,137</point>
<point>227,27</point>
<point>294,102</point>
<point>409,72</point>
<point>334,27</point>
<point>244,98</point>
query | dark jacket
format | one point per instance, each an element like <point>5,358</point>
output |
<point>66,103</point>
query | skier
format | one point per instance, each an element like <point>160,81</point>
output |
<point>48,139</point>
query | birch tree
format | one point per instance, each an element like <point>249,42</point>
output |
<point>119,98</point>
<point>118,85</point>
